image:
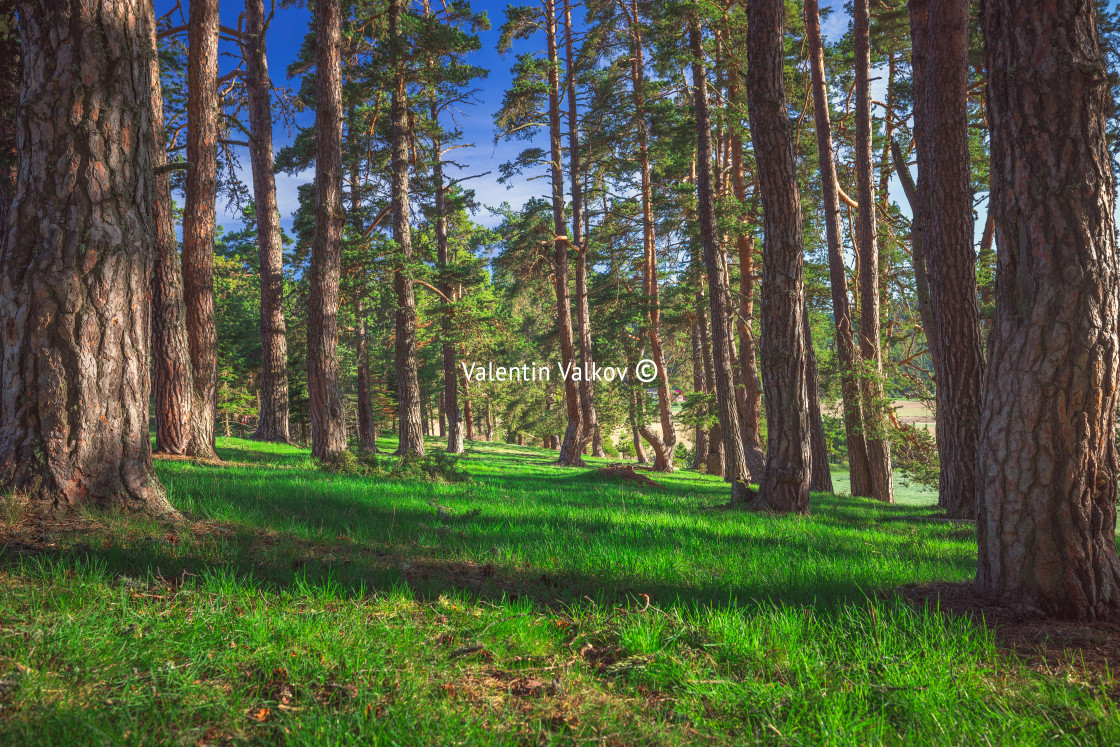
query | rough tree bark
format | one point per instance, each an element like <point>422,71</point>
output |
<point>784,485</point>
<point>328,429</point>
<point>76,268</point>
<point>917,238</point>
<point>410,428</point>
<point>713,457</point>
<point>468,412</point>
<point>9,102</point>
<point>367,439</point>
<point>590,421</point>
<point>199,218</point>
<point>846,350</point>
<point>716,264</point>
<point>748,358</point>
<point>171,356</point>
<point>664,445</point>
<point>878,443</point>
<point>1048,464</point>
<point>820,476</point>
<point>452,421</point>
<point>273,422</point>
<point>947,226</point>
<point>699,380</point>
<point>570,450</point>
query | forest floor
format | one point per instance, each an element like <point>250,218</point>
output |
<point>530,604</point>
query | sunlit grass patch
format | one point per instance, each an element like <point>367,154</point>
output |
<point>529,604</point>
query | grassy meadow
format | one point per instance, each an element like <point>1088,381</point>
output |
<point>527,605</point>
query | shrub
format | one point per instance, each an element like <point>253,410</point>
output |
<point>915,454</point>
<point>435,466</point>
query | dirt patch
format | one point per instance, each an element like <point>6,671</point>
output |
<point>627,473</point>
<point>1079,650</point>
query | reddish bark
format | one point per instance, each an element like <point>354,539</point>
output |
<point>846,350</point>
<point>878,442</point>
<point>572,446</point>
<point>273,422</point>
<point>199,221</point>
<point>590,419</point>
<point>784,485</point>
<point>75,274</point>
<point>718,296</point>
<point>945,172</point>
<point>667,443</point>
<point>328,429</point>
<point>172,385</point>
<point>1048,463</point>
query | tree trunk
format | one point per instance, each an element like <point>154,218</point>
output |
<point>366,438</point>
<point>199,220</point>
<point>273,422</point>
<point>748,362</point>
<point>75,272</point>
<point>718,295</point>
<point>328,431</point>
<point>714,456</point>
<point>468,415</point>
<point>917,239</point>
<point>945,174</point>
<point>784,484</point>
<point>1048,464</point>
<point>820,476</point>
<point>410,430</point>
<point>171,356</point>
<point>442,418</point>
<point>9,103</point>
<point>590,419</point>
<point>878,443</point>
<point>634,410</point>
<point>454,425</point>
<point>570,450</point>
<point>699,382</point>
<point>665,449</point>
<point>846,350</point>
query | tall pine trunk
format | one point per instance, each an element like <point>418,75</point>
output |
<point>1048,464</point>
<point>328,429</point>
<point>917,238</point>
<point>947,225</point>
<point>718,296</point>
<point>367,438</point>
<point>570,450</point>
<point>410,426</point>
<point>9,103</point>
<point>171,356</point>
<point>590,421</point>
<point>878,442</point>
<point>451,422</point>
<point>199,220</point>
<point>748,358</point>
<point>273,422</point>
<point>820,475</point>
<point>784,484</point>
<point>76,268</point>
<point>846,350</point>
<point>664,445</point>
<point>699,378</point>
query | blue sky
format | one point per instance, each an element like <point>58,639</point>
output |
<point>284,39</point>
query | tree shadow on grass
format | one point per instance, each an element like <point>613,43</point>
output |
<point>465,555</point>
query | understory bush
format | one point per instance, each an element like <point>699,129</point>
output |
<point>434,466</point>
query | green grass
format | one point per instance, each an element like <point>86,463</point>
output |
<point>304,608</point>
